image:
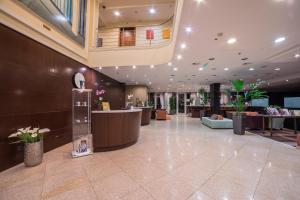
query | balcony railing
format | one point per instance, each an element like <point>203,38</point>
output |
<point>138,36</point>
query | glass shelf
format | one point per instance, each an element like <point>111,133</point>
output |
<point>81,120</point>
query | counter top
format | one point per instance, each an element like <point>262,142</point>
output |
<point>116,111</point>
<point>140,107</point>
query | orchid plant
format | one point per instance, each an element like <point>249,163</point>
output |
<point>28,135</point>
<point>99,94</point>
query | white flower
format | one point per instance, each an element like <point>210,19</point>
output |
<point>34,135</point>
<point>15,134</point>
<point>34,130</point>
<point>44,130</point>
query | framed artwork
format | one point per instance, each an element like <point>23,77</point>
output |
<point>105,106</point>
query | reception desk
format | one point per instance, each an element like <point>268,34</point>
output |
<point>146,114</point>
<point>115,129</point>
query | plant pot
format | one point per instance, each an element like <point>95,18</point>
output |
<point>33,153</point>
<point>100,107</point>
<point>238,124</point>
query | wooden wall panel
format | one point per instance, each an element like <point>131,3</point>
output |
<point>35,89</point>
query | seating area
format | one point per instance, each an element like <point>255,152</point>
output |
<point>217,123</point>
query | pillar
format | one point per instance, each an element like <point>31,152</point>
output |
<point>215,95</point>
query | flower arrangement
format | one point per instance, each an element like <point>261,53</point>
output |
<point>99,99</point>
<point>28,135</point>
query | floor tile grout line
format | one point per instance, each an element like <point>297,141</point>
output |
<point>261,174</point>
<point>215,173</point>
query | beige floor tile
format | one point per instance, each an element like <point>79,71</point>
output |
<point>218,187</point>
<point>169,188</point>
<point>115,186</point>
<point>199,196</point>
<point>139,194</point>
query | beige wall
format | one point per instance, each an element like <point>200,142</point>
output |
<point>138,91</point>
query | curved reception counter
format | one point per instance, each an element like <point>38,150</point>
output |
<point>115,129</point>
<point>146,114</point>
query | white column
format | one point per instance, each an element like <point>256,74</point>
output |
<point>177,101</point>
<point>75,16</point>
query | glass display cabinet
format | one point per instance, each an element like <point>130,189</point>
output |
<point>81,120</point>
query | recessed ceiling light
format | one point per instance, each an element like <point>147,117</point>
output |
<point>200,68</point>
<point>169,64</point>
<point>133,67</point>
<point>226,68</point>
<point>152,11</point>
<point>171,79</point>
<point>277,69</point>
<point>287,80</point>
<point>117,67</point>
<point>251,69</point>
<point>279,40</point>
<point>183,46</point>
<point>151,66</point>
<point>297,55</point>
<point>188,29</point>
<point>179,57</point>
<point>199,1</point>
<point>100,68</point>
<point>150,83</point>
<point>231,40</point>
<point>175,69</point>
<point>117,13</point>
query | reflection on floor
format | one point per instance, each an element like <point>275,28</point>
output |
<point>177,159</point>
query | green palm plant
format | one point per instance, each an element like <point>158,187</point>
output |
<point>203,96</point>
<point>239,103</point>
<point>253,92</point>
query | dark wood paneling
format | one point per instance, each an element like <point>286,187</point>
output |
<point>113,131</point>
<point>35,89</point>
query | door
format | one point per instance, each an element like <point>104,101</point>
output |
<point>127,36</point>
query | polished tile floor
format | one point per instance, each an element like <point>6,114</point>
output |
<point>177,159</point>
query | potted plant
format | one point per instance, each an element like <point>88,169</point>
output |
<point>240,100</point>
<point>33,144</point>
<point>204,97</point>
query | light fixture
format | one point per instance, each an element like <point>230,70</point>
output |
<point>136,83</point>
<point>287,80</point>
<point>171,79</point>
<point>279,40</point>
<point>297,55</point>
<point>231,41</point>
<point>188,29</point>
<point>200,68</point>
<point>61,18</point>
<point>151,66</point>
<point>150,83</point>
<point>169,64</point>
<point>175,69</point>
<point>152,11</point>
<point>226,68</point>
<point>117,67</point>
<point>83,69</point>
<point>133,67</point>
<point>183,46</point>
<point>179,57</point>
<point>277,69</point>
<point>117,13</point>
<point>251,69</point>
<point>199,1</point>
<point>100,68</point>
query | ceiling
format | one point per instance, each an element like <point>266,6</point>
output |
<point>134,12</point>
<point>255,24</point>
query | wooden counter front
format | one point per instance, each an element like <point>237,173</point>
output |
<point>115,129</point>
<point>146,115</point>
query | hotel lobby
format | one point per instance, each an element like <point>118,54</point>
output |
<point>150,99</point>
